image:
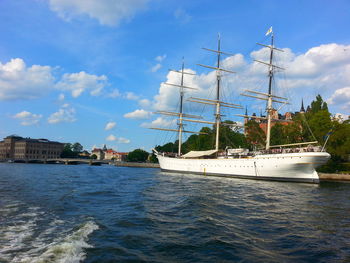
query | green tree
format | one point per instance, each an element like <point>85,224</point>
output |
<point>322,125</point>
<point>137,155</point>
<point>277,134</point>
<point>71,150</point>
<point>67,151</point>
<point>77,147</point>
<point>318,105</point>
<point>205,140</point>
<point>94,157</point>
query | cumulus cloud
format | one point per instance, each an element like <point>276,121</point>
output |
<point>107,12</point>
<point>341,97</point>
<point>159,122</point>
<point>17,81</point>
<point>138,114</point>
<point>27,118</point>
<point>167,97</point>
<point>77,83</point>
<point>131,96</point>
<point>110,126</point>
<point>322,69</point>
<point>145,103</point>
<point>113,138</point>
<point>64,114</point>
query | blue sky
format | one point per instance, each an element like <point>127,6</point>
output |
<point>92,70</point>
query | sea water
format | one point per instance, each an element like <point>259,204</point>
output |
<point>81,213</point>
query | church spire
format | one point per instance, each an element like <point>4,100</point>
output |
<point>302,106</point>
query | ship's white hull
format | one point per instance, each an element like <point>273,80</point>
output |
<point>298,167</point>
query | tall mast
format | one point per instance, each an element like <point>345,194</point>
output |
<point>269,98</point>
<point>217,102</point>
<point>180,130</point>
<point>217,113</point>
<point>181,109</point>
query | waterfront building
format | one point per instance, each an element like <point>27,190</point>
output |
<point>99,153</point>
<point>18,148</point>
<point>109,154</point>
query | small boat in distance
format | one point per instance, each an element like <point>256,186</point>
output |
<point>275,162</point>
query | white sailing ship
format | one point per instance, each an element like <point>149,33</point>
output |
<point>277,162</point>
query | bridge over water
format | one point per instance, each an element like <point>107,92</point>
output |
<point>71,161</point>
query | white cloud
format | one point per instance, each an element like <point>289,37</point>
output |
<point>64,114</point>
<point>144,103</point>
<point>156,67</point>
<point>110,126</point>
<point>27,118</point>
<point>17,81</point>
<point>342,97</point>
<point>168,96</point>
<point>131,96</point>
<point>321,69</point>
<point>123,140</point>
<point>77,83</point>
<point>107,12</point>
<point>160,58</point>
<point>113,138</point>
<point>138,114</point>
<point>341,117</point>
<point>159,122</point>
<point>114,94</point>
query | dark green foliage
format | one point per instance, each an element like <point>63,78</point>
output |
<point>71,150</point>
<point>322,125</point>
<point>202,142</point>
<point>94,157</point>
<point>230,138</point>
<point>77,147</point>
<point>318,105</point>
<point>137,155</point>
<point>153,158</point>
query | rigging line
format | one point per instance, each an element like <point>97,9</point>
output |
<point>307,125</point>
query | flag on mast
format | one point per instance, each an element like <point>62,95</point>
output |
<point>268,31</point>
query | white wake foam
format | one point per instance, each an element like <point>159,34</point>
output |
<point>24,238</point>
<point>70,249</point>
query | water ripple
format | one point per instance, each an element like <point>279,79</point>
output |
<point>115,214</point>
